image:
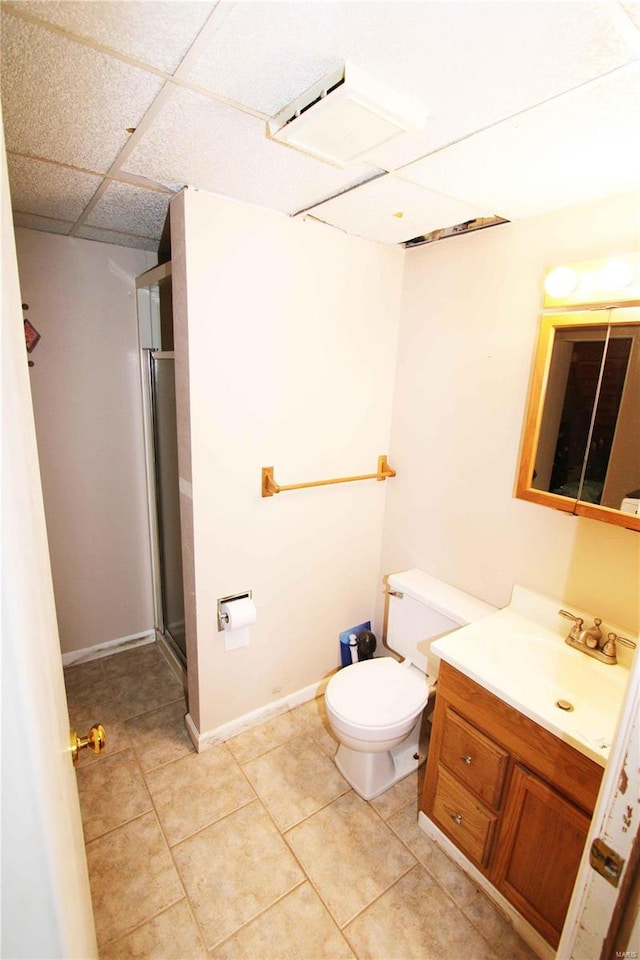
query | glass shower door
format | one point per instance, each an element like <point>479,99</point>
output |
<point>165,437</point>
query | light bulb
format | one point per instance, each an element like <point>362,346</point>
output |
<point>561,282</point>
<point>616,273</point>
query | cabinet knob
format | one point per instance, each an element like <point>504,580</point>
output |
<point>466,758</point>
<point>456,817</point>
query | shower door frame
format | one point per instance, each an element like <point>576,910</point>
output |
<point>147,286</point>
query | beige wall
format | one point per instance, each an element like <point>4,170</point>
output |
<point>468,331</point>
<point>292,340</point>
<point>87,402</point>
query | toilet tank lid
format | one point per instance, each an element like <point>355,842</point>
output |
<point>453,603</point>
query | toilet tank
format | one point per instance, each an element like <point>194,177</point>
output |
<point>427,609</point>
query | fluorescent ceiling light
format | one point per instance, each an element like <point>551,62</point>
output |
<point>345,116</point>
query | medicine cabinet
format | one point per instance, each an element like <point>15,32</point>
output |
<point>581,444</point>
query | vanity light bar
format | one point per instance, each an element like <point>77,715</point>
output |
<point>594,283</point>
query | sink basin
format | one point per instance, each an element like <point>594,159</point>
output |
<point>527,664</point>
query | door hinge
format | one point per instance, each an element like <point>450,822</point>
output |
<point>606,861</point>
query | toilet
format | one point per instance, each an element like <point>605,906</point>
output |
<point>375,707</point>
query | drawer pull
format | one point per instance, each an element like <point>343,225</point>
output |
<point>456,817</point>
<point>466,758</point>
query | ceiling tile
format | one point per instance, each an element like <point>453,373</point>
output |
<point>49,190</point>
<point>120,239</point>
<point>372,211</point>
<point>65,101</point>
<point>158,33</point>
<point>451,57</point>
<point>577,148</point>
<point>131,210</point>
<point>262,55</point>
<point>633,9</point>
<point>194,140</point>
<point>46,224</point>
<point>472,64</point>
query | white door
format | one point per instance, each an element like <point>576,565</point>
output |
<point>616,821</point>
<point>46,904</point>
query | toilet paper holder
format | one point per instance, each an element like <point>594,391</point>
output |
<point>223,616</point>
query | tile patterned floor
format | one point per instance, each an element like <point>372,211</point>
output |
<point>256,849</point>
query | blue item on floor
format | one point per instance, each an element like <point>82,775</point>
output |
<point>347,649</point>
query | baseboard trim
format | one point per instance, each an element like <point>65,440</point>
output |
<point>106,649</point>
<point>202,741</point>
<point>530,936</point>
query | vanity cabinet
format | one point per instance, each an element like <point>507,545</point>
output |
<point>515,799</point>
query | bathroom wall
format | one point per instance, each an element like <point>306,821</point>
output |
<point>86,394</point>
<point>292,331</point>
<point>468,331</point>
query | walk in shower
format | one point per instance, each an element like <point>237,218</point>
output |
<point>155,317</point>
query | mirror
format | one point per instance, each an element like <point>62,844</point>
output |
<point>581,447</point>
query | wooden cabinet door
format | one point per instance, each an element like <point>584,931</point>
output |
<point>541,843</point>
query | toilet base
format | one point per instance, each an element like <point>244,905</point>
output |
<point>370,774</point>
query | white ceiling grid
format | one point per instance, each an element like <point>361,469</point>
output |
<point>533,106</point>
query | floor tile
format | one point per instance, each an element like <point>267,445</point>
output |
<point>401,794</point>
<point>111,793</point>
<point>147,689</point>
<point>132,877</point>
<point>263,737</point>
<point>160,735</point>
<point>172,935</point>
<point>349,854</point>
<point>295,780</point>
<point>497,930</point>
<point>416,920</point>
<point>297,927</point>
<point>81,675</point>
<point>447,873</point>
<point>87,687</point>
<point>235,869</point>
<point>313,721</point>
<point>197,790</point>
<point>126,662</point>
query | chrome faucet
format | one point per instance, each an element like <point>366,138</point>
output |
<point>591,641</point>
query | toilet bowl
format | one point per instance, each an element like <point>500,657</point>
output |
<point>375,707</point>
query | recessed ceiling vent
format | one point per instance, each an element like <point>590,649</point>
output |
<point>345,116</point>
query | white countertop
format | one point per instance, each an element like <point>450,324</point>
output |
<point>524,660</point>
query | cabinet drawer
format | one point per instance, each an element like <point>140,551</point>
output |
<point>469,824</point>
<point>474,759</point>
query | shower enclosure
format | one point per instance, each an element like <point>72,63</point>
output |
<point>155,320</point>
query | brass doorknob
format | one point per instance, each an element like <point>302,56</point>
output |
<point>96,740</point>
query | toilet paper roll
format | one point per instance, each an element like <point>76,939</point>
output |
<point>240,613</point>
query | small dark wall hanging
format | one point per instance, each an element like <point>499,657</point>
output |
<point>31,335</point>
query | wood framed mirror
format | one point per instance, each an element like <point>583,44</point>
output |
<point>581,443</point>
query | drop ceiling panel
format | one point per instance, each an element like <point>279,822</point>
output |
<point>196,141</point>
<point>120,239</point>
<point>391,211</point>
<point>263,55</point>
<point>470,64</point>
<point>571,150</point>
<point>473,64</point>
<point>149,31</point>
<point>65,101</point>
<point>49,190</point>
<point>131,209</point>
<point>45,224</point>
<point>632,8</point>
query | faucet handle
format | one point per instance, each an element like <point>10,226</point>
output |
<point>570,616</point>
<point>610,646</point>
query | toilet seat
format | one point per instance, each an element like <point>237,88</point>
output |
<point>377,693</point>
